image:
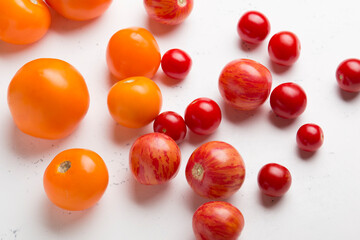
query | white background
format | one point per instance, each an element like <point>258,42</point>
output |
<point>323,202</point>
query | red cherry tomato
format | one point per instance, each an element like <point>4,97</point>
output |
<point>309,137</point>
<point>215,170</point>
<point>288,100</point>
<point>245,84</point>
<point>217,221</point>
<point>176,64</point>
<point>284,48</point>
<point>171,124</point>
<point>203,116</point>
<point>348,75</point>
<point>253,27</point>
<point>154,159</point>
<point>274,180</point>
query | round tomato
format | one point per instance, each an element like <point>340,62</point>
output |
<point>203,116</point>
<point>23,21</point>
<point>253,27</point>
<point>348,75</point>
<point>309,137</point>
<point>274,180</point>
<point>154,159</point>
<point>217,221</point>
<point>48,98</point>
<point>288,100</point>
<point>171,124</point>
<point>245,84</point>
<point>133,52</point>
<point>284,48</point>
<point>134,102</point>
<point>176,64</point>
<point>76,179</point>
<point>80,10</point>
<point>169,11</point>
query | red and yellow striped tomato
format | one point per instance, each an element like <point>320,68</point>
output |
<point>245,84</point>
<point>170,12</point>
<point>217,221</point>
<point>215,170</point>
<point>154,159</point>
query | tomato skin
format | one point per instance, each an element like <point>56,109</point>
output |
<point>253,27</point>
<point>274,180</point>
<point>79,10</point>
<point>309,137</point>
<point>245,84</point>
<point>171,124</point>
<point>215,170</point>
<point>23,21</point>
<point>284,48</point>
<point>348,75</point>
<point>45,108</point>
<point>203,116</point>
<point>154,159</point>
<point>217,221</point>
<point>288,100</point>
<point>133,52</point>
<point>79,187</point>
<point>176,64</point>
<point>169,12</point>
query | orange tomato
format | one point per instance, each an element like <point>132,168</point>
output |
<point>133,52</point>
<point>76,179</point>
<point>48,98</point>
<point>23,21</point>
<point>80,10</point>
<point>134,102</point>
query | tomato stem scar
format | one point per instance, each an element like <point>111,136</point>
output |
<point>64,167</point>
<point>182,3</point>
<point>197,171</point>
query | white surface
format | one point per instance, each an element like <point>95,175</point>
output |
<point>323,202</point>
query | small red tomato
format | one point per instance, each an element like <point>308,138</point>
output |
<point>170,12</point>
<point>253,27</point>
<point>215,170</point>
<point>245,84</point>
<point>284,48</point>
<point>203,116</point>
<point>176,64</point>
<point>348,75</point>
<point>288,100</point>
<point>274,180</point>
<point>154,159</point>
<point>171,124</point>
<point>217,221</point>
<point>309,137</point>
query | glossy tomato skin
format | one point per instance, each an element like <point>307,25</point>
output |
<point>217,221</point>
<point>171,124</point>
<point>169,12</point>
<point>76,179</point>
<point>245,84</point>
<point>284,48</point>
<point>288,100</point>
<point>154,159</point>
<point>203,116</point>
<point>79,10</point>
<point>348,75</point>
<point>310,137</point>
<point>133,52</point>
<point>253,27</point>
<point>23,21</point>
<point>215,170</point>
<point>134,102</point>
<point>176,64</point>
<point>274,180</point>
<point>41,98</point>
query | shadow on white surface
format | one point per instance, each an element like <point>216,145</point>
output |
<point>269,202</point>
<point>161,77</point>
<point>196,139</point>
<point>278,69</point>
<point>346,96</point>
<point>280,122</point>
<point>248,47</point>
<point>160,29</point>
<point>193,200</point>
<point>147,194</point>
<point>8,48</point>
<point>304,155</point>
<point>238,116</point>
<point>111,79</point>
<point>123,135</point>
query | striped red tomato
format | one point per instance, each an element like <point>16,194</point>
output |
<point>215,170</point>
<point>154,159</point>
